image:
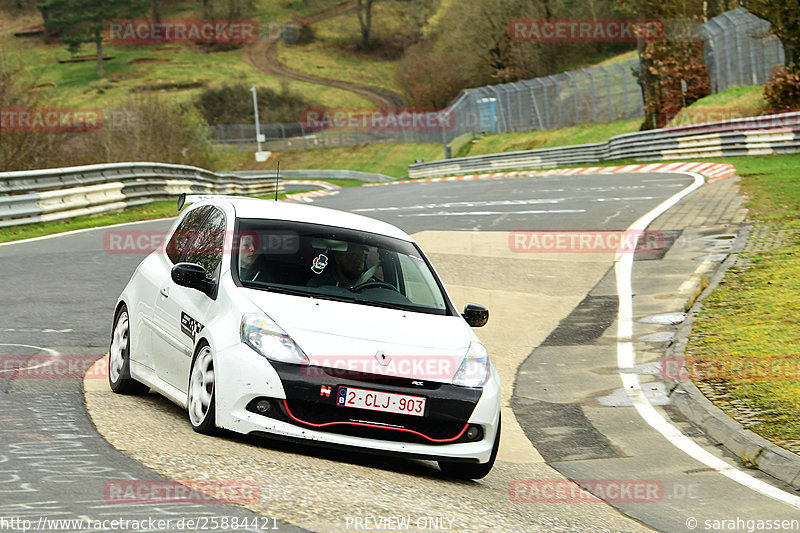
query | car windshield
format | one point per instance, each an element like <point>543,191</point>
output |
<point>336,263</point>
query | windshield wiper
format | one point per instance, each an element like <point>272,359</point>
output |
<point>335,297</point>
<point>286,290</point>
<point>307,294</point>
<point>380,304</point>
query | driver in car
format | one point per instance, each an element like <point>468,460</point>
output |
<point>346,269</point>
<point>250,261</point>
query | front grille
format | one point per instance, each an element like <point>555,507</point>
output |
<point>311,394</point>
<point>374,424</point>
<point>342,375</point>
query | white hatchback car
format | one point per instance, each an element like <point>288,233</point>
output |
<point>299,322</point>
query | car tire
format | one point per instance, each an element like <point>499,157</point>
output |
<point>472,470</point>
<point>201,400</point>
<point>119,357</point>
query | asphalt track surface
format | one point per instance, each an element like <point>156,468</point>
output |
<point>60,292</point>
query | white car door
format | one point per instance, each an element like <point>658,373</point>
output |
<point>153,275</point>
<point>180,313</point>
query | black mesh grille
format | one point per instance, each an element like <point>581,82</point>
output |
<point>311,394</point>
<point>402,428</point>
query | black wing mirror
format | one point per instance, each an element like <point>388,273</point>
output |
<point>475,315</point>
<point>193,276</point>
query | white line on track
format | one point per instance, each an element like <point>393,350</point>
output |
<point>626,358</point>
<point>632,198</point>
<point>492,203</point>
<point>48,350</point>
<point>492,213</point>
<point>485,203</point>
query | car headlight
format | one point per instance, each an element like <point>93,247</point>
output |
<point>474,368</point>
<point>262,334</point>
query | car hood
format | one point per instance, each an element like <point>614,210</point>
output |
<point>367,338</point>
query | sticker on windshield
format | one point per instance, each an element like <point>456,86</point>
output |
<point>319,264</point>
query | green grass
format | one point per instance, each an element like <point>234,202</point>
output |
<point>771,184</point>
<point>271,10</point>
<point>584,134</point>
<point>326,60</point>
<point>141,67</point>
<point>389,159</point>
<point>627,56</point>
<point>752,316</point>
<point>148,66</point>
<point>333,56</point>
<point>131,214</point>
<point>732,103</point>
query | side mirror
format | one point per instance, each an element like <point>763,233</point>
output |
<point>475,315</point>
<point>193,276</point>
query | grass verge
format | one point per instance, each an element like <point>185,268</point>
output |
<point>132,214</point>
<point>332,55</point>
<point>736,102</point>
<point>747,330</point>
<point>389,159</point>
<point>531,140</point>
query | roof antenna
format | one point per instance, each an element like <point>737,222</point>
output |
<point>277,178</point>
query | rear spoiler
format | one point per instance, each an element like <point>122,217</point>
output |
<point>184,198</point>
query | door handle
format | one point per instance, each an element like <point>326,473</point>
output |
<point>164,292</point>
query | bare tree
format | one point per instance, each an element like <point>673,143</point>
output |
<point>784,15</point>
<point>672,71</point>
<point>22,148</point>
<point>364,13</point>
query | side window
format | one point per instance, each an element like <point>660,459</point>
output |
<point>184,232</point>
<point>207,247</point>
<point>420,286</point>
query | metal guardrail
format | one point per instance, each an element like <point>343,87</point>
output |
<point>767,134</point>
<point>317,174</point>
<point>54,194</point>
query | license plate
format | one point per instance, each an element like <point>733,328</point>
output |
<point>386,402</point>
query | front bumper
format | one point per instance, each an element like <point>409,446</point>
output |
<point>311,393</point>
<point>459,423</point>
